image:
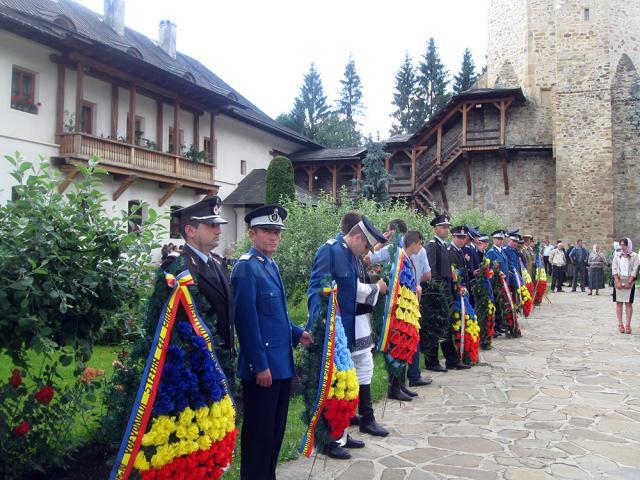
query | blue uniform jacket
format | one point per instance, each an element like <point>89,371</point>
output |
<point>513,255</point>
<point>473,263</point>
<point>265,333</point>
<point>335,261</point>
<point>494,255</point>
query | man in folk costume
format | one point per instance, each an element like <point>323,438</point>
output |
<point>200,226</point>
<point>496,255</point>
<point>366,297</point>
<point>266,336</point>
<point>338,259</point>
<point>438,257</point>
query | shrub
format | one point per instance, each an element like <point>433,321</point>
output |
<point>66,267</point>
<point>280,181</point>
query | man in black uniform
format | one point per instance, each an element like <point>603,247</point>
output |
<point>439,261</point>
<point>457,256</point>
<point>200,225</point>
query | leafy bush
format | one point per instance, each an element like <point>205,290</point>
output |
<point>67,267</point>
<point>279,181</point>
<point>488,222</point>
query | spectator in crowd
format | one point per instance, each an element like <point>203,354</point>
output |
<point>616,249</point>
<point>558,260</point>
<point>548,248</point>
<point>624,270</point>
<point>597,262</point>
<point>568,270</point>
<point>579,258</point>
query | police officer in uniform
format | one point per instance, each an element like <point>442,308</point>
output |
<point>338,258</point>
<point>497,256</point>
<point>267,337</point>
<point>440,263</point>
<point>200,225</point>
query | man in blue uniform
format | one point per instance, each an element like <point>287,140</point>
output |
<point>496,255</point>
<point>338,260</point>
<point>470,251</point>
<point>267,337</point>
<point>513,257</point>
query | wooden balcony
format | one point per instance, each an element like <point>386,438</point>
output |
<point>132,161</point>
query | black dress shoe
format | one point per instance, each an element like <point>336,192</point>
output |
<point>459,366</point>
<point>436,367</point>
<point>497,334</point>
<point>355,420</point>
<point>353,443</point>
<point>421,382</point>
<point>405,390</point>
<point>334,450</point>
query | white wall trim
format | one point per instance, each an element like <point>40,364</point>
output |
<point>30,140</point>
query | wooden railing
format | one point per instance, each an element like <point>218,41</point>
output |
<point>134,157</point>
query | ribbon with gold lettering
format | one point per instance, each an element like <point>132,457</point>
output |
<point>326,372</point>
<point>390,303</point>
<point>152,373</point>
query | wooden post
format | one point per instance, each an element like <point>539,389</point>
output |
<point>414,157</point>
<point>115,92</point>
<point>465,111</point>
<point>358,168</point>
<point>79,95</point>
<point>131,133</point>
<point>159,124</point>
<point>196,131</point>
<point>176,128</point>
<point>170,191</point>
<point>387,163</point>
<point>212,138</point>
<point>503,121</point>
<point>505,174</point>
<point>334,181</point>
<point>443,192</point>
<point>467,171</point>
<point>310,172</point>
<point>439,146</point>
<point>60,102</point>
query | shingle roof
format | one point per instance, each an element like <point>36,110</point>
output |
<point>330,154</point>
<point>251,191</point>
<point>38,16</point>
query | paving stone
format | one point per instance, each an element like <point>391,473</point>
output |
<point>392,474</point>
<point>358,471</point>
<point>395,462</point>
<point>526,474</point>
<point>513,434</point>
<point>422,455</point>
<point>470,445</point>
<point>460,460</point>
<point>468,473</point>
<point>561,470</point>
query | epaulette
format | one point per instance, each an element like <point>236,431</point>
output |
<point>246,256</point>
<point>331,241</point>
<point>432,241</point>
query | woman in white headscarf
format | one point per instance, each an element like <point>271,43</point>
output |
<point>624,270</point>
<point>597,262</point>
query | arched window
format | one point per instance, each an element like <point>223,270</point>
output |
<point>189,76</point>
<point>64,22</point>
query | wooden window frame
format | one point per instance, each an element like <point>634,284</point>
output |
<point>135,224</point>
<point>140,121</point>
<point>243,167</point>
<point>180,142</point>
<point>174,224</point>
<point>19,102</point>
<point>93,107</point>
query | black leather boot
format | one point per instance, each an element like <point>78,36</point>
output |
<point>403,384</point>
<point>368,422</point>
<point>395,392</point>
<point>334,450</point>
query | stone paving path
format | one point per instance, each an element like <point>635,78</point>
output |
<point>561,402</point>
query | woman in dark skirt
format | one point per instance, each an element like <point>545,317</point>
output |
<point>597,262</point>
<point>624,270</point>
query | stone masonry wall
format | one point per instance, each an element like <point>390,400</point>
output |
<point>530,204</point>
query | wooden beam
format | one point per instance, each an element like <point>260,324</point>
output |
<point>167,195</point>
<point>79,96</point>
<point>126,183</point>
<point>467,171</point>
<point>131,132</point>
<point>159,124</point>
<point>310,172</point>
<point>505,174</point>
<point>414,157</point>
<point>60,102</point>
<point>196,131</point>
<point>115,93</point>
<point>465,110</point>
<point>439,146</point>
<point>71,174</point>
<point>443,193</point>
<point>387,163</point>
<point>176,128</point>
<point>503,122</point>
<point>334,181</point>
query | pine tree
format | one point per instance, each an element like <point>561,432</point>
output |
<point>404,98</point>
<point>467,76</point>
<point>432,85</point>
<point>311,104</point>
<point>375,177</point>
<point>350,103</point>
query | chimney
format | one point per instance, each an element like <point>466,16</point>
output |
<point>114,15</point>
<point>167,37</point>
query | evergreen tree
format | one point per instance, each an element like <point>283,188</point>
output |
<point>375,177</point>
<point>432,85</point>
<point>335,132</point>
<point>279,183</point>
<point>310,106</point>
<point>404,98</point>
<point>350,102</point>
<point>467,76</point>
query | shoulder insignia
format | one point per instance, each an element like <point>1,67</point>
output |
<point>260,258</point>
<point>344,245</point>
<point>331,241</point>
<point>432,241</point>
<point>193,260</point>
<point>246,256</point>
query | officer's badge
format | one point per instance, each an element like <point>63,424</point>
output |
<point>275,216</point>
<point>216,210</point>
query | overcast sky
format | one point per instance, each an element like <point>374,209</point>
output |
<point>263,48</point>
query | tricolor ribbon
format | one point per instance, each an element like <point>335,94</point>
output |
<point>505,288</point>
<point>463,325</point>
<point>143,405</point>
<point>390,303</point>
<point>326,372</point>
